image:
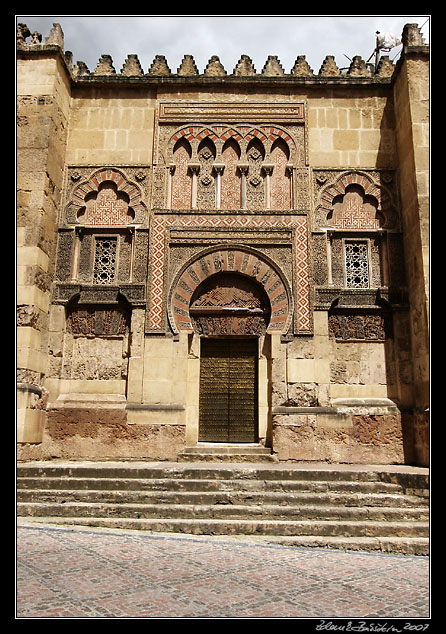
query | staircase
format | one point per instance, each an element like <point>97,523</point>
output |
<point>227,452</point>
<point>345,507</point>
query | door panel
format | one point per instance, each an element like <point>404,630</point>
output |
<point>228,390</point>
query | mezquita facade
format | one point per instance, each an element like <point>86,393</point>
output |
<point>222,258</point>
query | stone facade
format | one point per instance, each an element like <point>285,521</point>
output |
<point>157,209</point>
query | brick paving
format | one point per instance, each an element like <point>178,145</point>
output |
<point>85,573</point>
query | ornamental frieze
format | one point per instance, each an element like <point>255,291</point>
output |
<point>274,112</point>
<point>360,326</point>
<point>230,156</point>
<point>135,294</point>
<point>90,320</point>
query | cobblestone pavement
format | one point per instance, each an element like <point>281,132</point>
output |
<point>86,573</point>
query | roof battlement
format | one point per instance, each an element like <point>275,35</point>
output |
<point>358,71</point>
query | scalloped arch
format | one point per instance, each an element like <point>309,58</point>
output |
<point>339,186</point>
<point>262,134</point>
<point>92,184</point>
<point>189,133</point>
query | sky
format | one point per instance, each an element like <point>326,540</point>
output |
<point>227,36</point>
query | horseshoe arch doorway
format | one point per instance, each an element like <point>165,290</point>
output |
<point>230,311</point>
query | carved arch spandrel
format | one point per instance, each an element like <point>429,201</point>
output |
<point>335,187</point>
<point>90,187</point>
<point>230,259</point>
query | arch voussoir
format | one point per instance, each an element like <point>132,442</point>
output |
<point>229,259</point>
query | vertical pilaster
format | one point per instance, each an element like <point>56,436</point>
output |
<point>411,95</point>
<point>42,109</point>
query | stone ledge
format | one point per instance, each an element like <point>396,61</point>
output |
<point>340,405</point>
<point>155,406</point>
<point>303,410</point>
<point>87,401</point>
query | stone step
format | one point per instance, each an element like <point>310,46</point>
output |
<point>227,452</point>
<point>235,496</point>
<point>223,511</point>
<point>369,508</point>
<point>226,457</point>
<point>394,545</point>
<point>282,528</point>
<point>211,485</point>
<point>168,471</point>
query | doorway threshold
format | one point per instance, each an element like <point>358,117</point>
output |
<point>225,451</point>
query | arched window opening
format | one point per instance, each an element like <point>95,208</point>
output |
<point>181,178</point>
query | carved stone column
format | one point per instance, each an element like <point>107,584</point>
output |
<point>329,267</point>
<point>169,185</point>
<point>75,254</point>
<point>195,169</point>
<point>218,167</point>
<point>244,172</point>
<point>268,169</point>
<point>289,170</point>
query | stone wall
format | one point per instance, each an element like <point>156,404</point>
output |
<point>111,127</point>
<point>411,94</point>
<point>43,112</point>
<point>354,130</point>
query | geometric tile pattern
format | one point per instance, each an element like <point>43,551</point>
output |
<point>107,209</point>
<point>162,222</point>
<point>354,213</point>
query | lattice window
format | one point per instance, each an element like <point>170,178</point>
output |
<point>105,260</point>
<point>357,273</point>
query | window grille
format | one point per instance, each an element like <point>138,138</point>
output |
<point>357,264</point>
<point>105,260</point>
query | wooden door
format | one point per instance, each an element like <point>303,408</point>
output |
<point>228,390</point>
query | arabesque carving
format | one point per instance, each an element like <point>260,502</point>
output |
<point>355,199</point>
<point>85,202</point>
